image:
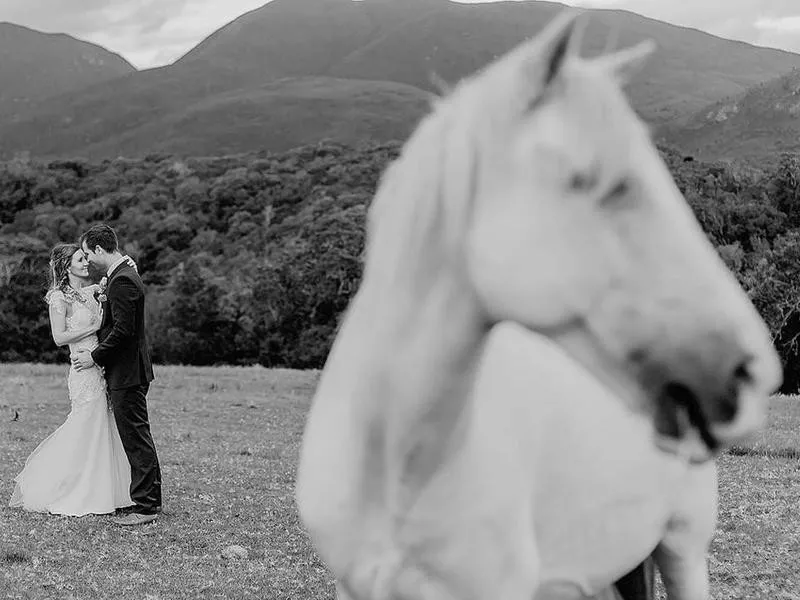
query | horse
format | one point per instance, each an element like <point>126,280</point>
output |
<point>527,236</point>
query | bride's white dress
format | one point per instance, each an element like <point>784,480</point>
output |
<point>81,468</point>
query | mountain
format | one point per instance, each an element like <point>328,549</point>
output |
<point>284,38</point>
<point>235,91</point>
<point>757,124</point>
<point>286,113</point>
<point>689,69</point>
<point>36,65</point>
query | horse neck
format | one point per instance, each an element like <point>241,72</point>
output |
<point>431,334</point>
<point>418,342</point>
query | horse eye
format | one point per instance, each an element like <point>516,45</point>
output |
<point>620,189</point>
<point>583,182</point>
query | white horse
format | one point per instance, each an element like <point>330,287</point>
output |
<point>453,450</point>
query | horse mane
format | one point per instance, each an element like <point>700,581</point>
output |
<point>443,88</point>
<point>424,197</point>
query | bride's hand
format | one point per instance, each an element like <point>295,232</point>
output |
<point>132,263</point>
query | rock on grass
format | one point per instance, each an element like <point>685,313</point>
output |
<point>234,553</point>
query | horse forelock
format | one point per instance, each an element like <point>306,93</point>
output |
<point>594,127</point>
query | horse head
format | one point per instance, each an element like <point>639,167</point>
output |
<point>558,212</point>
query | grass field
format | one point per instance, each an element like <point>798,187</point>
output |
<point>228,440</point>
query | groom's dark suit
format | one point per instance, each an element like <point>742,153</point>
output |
<point>124,355</point>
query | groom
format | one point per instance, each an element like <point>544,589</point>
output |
<point>124,355</point>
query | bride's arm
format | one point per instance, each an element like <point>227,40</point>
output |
<point>58,325</point>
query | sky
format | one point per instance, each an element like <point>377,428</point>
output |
<point>151,33</point>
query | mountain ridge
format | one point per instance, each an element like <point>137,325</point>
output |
<point>36,65</point>
<point>371,43</point>
<point>757,124</point>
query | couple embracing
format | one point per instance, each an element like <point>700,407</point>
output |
<point>102,459</point>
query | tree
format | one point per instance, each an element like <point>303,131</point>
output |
<point>24,321</point>
<point>310,283</point>
<point>784,188</point>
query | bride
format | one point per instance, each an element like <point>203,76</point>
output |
<point>81,468</point>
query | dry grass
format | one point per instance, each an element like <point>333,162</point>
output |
<point>228,440</point>
<point>757,548</point>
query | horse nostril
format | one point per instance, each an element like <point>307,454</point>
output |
<point>728,405</point>
<point>742,374</point>
<point>679,399</point>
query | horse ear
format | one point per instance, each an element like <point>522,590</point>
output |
<point>436,80</point>
<point>562,39</point>
<point>626,63</point>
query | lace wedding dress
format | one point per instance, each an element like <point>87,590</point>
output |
<point>81,468</point>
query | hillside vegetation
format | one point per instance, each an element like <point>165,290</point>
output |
<point>252,258</point>
<point>758,124</point>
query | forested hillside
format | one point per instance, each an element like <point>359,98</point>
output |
<point>252,258</point>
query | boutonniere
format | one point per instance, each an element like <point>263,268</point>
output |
<point>101,289</point>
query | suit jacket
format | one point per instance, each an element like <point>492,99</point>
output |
<point>123,351</point>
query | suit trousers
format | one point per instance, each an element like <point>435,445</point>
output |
<point>639,584</point>
<point>130,413</point>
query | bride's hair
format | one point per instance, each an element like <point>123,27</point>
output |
<point>60,261</point>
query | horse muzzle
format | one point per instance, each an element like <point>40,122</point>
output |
<point>709,403</point>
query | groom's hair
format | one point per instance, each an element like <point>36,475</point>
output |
<point>101,235</point>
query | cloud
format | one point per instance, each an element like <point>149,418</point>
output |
<point>770,23</point>
<point>778,32</point>
<point>53,15</point>
<point>197,20</point>
<point>155,32</point>
<point>81,17</point>
<point>146,32</point>
<point>782,24</point>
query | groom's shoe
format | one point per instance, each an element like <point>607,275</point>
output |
<point>133,519</point>
<point>126,510</point>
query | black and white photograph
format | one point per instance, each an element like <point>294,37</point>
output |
<point>399,300</point>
